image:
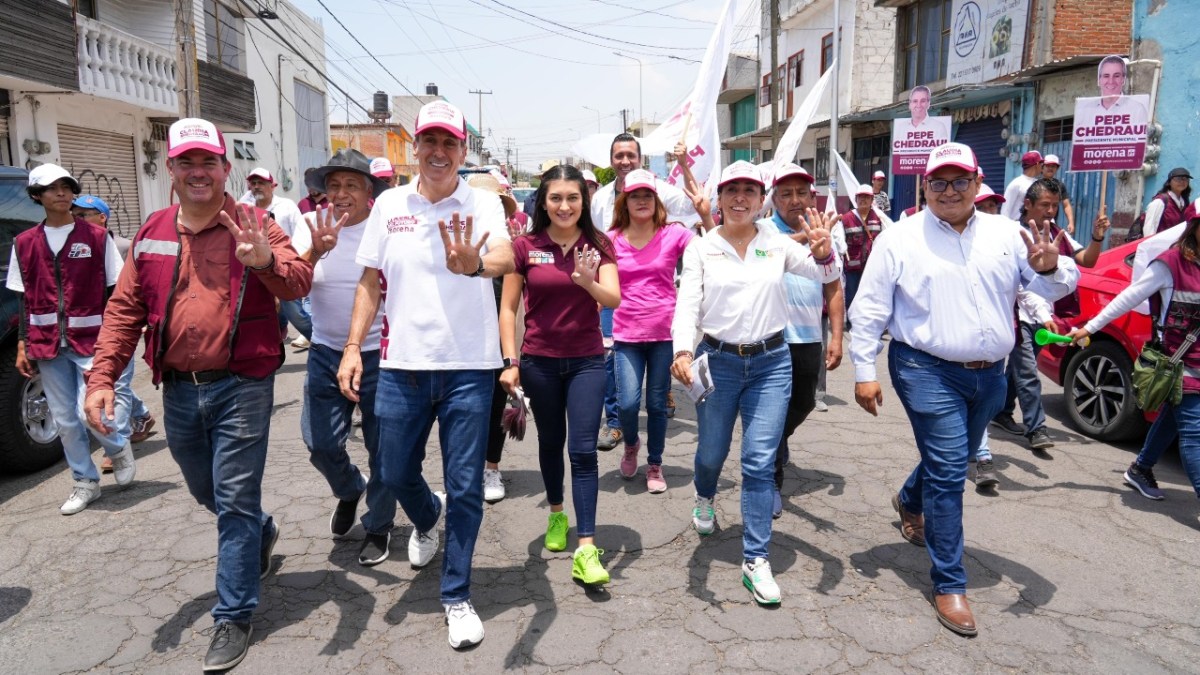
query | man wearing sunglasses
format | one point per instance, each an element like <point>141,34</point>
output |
<point>943,283</point>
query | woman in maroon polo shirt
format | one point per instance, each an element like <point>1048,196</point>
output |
<point>565,266</point>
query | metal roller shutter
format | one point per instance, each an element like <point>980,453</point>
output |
<point>983,136</point>
<point>105,165</point>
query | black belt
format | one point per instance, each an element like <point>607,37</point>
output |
<point>747,349</point>
<point>196,376</point>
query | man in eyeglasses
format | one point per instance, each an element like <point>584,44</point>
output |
<point>943,283</point>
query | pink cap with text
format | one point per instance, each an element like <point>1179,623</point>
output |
<point>638,179</point>
<point>441,115</point>
<point>951,154</point>
<point>193,133</point>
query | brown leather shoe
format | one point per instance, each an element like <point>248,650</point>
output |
<point>954,613</point>
<point>912,527</point>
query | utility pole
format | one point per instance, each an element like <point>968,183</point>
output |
<point>833,112</point>
<point>508,154</point>
<point>188,77</point>
<point>776,87</point>
<point>480,96</point>
<point>624,121</point>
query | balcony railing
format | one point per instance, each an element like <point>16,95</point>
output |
<point>116,65</point>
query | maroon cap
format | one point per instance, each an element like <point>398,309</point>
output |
<point>1030,158</point>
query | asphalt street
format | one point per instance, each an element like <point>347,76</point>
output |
<point>1070,571</point>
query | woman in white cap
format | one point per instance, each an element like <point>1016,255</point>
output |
<point>732,290</point>
<point>882,201</point>
<point>648,248</point>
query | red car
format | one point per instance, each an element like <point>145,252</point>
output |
<point>1096,379</point>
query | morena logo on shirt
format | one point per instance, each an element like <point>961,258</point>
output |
<point>402,224</point>
<point>541,258</point>
<point>80,250</point>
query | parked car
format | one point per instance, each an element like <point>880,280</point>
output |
<point>28,434</point>
<point>521,194</point>
<point>1096,379</point>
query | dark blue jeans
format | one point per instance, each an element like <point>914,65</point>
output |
<point>852,279</point>
<point>949,407</point>
<point>1184,420</point>
<point>565,395</point>
<point>325,427</point>
<point>612,404</point>
<point>406,403</point>
<point>218,434</point>
<point>650,361</point>
<point>1023,383</point>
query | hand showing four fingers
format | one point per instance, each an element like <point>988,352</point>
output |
<point>462,257</point>
<point>250,232</point>
<point>325,232</point>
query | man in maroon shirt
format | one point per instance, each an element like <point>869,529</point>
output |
<point>203,278</point>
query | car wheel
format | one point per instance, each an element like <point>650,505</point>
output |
<point>1099,393</point>
<point>28,435</point>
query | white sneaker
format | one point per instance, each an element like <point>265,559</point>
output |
<point>124,467</point>
<point>821,406</point>
<point>301,343</point>
<point>422,546</point>
<point>84,493</point>
<point>493,488</point>
<point>757,577</point>
<point>704,519</point>
<point>465,627</point>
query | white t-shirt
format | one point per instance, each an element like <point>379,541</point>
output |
<point>1014,196</point>
<point>286,213</point>
<point>335,280</point>
<point>56,237</point>
<point>434,319</point>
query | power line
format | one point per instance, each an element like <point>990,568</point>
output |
<point>364,47</point>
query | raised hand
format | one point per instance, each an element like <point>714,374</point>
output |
<point>462,257</point>
<point>587,265</point>
<point>325,232</point>
<point>250,232</point>
<point>1043,250</point>
<point>816,226</point>
<point>515,228</point>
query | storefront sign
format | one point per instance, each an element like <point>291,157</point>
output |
<point>987,40</point>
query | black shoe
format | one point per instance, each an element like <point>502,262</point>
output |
<point>985,474</point>
<point>1040,440</point>
<point>230,642</point>
<point>1007,423</point>
<point>270,535</point>
<point>375,549</point>
<point>343,516</point>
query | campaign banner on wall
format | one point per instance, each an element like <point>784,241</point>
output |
<point>913,141</point>
<point>987,40</point>
<point>1110,133</point>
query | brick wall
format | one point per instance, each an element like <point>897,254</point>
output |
<point>1092,27</point>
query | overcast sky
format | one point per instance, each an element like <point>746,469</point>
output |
<point>543,61</point>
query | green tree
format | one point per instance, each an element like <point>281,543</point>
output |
<point>605,175</point>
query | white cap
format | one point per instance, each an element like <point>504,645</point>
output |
<point>986,192</point>
<point>501,178</point>
<point>741,170</point>
<point>590,177</point>
<point>789,170</point>
<point>441,115</point>
<point>638,179</point>
<point>879,174</point>
<point>193,133</point>
<point>1052,159</point>
<point>381,168</point>
<point>864,189</point>
<point>951,154</point>
<point>260,172</point>
<point>44,175</point>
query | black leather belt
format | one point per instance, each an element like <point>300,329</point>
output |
<point>196,376</point>
<point>747,349</point>
<point>975,365</point>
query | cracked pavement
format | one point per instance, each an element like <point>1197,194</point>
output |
<point>1070,570</point>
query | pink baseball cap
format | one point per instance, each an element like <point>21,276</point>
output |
<point>193,133</point>
<point>259,172</point>
<point>441,115</point>
<point>638,179</point>
<point>790,169</point>
<point>864,189</point>
<point>879,174</point>
<point>590,177</point>
<point>986,192</point>
<point>741,170</point>
<point>1052,159</point>
<point>1030,158</point>
<point>381,168</point>
<point>951,154</point>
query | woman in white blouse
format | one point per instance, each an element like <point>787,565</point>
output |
<point>732,290</point>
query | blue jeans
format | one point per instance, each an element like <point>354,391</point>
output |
<point>565,396</point>
<point>1023,382</point>
<point>758,388</point>
<point>298,313</point>
<point>1158,439</point>
<point>218,434</point>
<point>612,404</point>
<point>325,426</point>
<point>651,361</point>
<point>406,404</point>
<point>63,382</point>
<point>1184,420</point>
<point>949,406</point>
<point>852,279</point>
<point>983,453</point>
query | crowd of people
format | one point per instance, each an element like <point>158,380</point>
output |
<point>440,299</point>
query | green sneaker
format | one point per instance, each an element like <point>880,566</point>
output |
<point>587,567</point>
<point>556,532</point>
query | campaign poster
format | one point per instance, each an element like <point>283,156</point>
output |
<point>1110,129</point>
<point>913,138</point>
<point>987,40</point>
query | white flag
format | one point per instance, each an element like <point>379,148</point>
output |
<point>789,145</point>
<point>699,112</point>
<point>851,183</point>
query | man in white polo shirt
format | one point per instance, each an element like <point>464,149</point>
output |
<point>429,252</point>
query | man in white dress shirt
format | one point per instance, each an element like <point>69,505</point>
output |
<point>944,284</point>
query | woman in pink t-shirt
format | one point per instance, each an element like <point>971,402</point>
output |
<point>564,267</point>
<point>648,248</point>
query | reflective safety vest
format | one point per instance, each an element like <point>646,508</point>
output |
<point>860,237</point>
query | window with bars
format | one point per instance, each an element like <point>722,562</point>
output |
<point>1055,131</point>
<point>826,52</point>
<point>764,92</point>
<point>223,32</point>
<point>822,160</point>
<point>796,70</point>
